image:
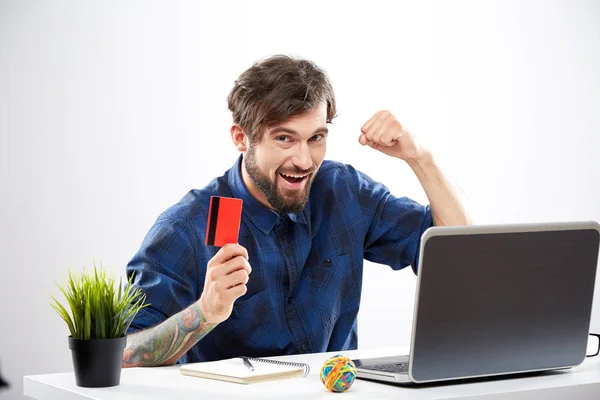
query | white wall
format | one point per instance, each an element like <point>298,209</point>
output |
<point>111,110</point>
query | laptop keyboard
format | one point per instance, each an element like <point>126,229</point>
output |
<point>393,368</point>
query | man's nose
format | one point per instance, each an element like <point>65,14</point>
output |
<point>302,158</point>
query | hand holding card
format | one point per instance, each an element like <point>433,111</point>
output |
<point>224,216</point>
<point>228,271</point>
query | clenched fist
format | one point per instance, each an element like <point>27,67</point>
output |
<point>226,276</point>
<point>384,132</point>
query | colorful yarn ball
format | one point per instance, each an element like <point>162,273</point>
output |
<point>338,373</point>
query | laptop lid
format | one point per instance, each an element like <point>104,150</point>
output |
<point>504,299</point>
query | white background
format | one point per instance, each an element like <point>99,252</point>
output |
<point>110,111</point>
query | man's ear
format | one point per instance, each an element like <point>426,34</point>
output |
<point>239,138</point>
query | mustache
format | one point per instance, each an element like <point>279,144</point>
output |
<point>296,171</point>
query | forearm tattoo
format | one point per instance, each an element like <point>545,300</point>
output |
<point>165,343</point>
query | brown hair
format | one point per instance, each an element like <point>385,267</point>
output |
<point>275,89</point>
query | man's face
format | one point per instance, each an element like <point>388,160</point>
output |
<point>284,163</point>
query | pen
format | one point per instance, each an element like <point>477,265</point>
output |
<point>248,364</point>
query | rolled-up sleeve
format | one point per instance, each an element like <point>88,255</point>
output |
<point>165,269</point>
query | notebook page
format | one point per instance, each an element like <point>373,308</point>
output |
<point>235,367</point>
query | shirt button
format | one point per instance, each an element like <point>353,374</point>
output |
<point>327,262</point>
<point>291,300</point>
<point>303,347</point>
<point>288,252</point>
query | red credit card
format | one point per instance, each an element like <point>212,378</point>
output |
<point>224,216</point>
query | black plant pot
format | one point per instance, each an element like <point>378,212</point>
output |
<point>97,362</point>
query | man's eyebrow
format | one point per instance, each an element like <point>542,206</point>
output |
<point>282,129</point>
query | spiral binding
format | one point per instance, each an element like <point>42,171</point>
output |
<point>305,367</point>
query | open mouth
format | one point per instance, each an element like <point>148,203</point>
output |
<point>294,178</point>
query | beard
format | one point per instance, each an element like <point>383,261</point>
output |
<point>294,203</point>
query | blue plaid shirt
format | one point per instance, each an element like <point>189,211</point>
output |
<point>307,268</point>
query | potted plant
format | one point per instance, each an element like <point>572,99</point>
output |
<point>100,314</point>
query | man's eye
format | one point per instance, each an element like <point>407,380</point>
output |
<point>316,138</point>
<point>283,139</point>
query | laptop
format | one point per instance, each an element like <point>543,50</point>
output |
<point>497,299</point>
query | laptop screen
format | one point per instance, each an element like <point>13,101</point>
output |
<point>495,303</point>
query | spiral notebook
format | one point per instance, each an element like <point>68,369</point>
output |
<point>238,370</point>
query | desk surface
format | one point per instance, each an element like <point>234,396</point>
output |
<point>581,382</point>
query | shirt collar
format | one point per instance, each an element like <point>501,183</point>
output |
<point>262,216</point>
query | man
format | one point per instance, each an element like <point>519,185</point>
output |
<point>293,283</point>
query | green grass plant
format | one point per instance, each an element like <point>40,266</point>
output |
<point>99,309</point>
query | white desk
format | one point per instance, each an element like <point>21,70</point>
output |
<point>581,382</point>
